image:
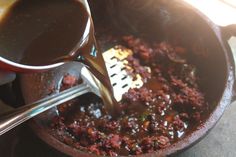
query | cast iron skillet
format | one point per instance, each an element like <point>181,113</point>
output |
<point>159,21</point>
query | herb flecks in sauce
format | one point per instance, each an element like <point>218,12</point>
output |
<point>153,117</point>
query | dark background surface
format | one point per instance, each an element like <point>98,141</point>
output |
<point>220,142</point>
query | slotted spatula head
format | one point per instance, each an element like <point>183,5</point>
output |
<point>116,64</point>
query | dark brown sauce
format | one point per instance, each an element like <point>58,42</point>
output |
<point>166,109</point>
<point>35,32</point>
<point>39,32</point>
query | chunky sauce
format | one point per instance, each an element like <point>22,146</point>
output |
<point>168,107</point>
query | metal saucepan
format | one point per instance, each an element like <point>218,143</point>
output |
<point>159,20</point>
<point>13,63</point>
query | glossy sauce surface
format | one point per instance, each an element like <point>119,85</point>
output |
<point>163,111</point>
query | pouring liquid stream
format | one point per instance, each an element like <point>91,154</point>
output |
<point>36,32</point>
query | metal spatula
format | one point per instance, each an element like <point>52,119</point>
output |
<point>121,82</point>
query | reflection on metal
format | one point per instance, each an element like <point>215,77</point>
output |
<point>4,4</point>
<point>232,44</point>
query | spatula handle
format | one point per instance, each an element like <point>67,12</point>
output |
<point>13,118</point>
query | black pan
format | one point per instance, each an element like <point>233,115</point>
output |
<point>158,20</point>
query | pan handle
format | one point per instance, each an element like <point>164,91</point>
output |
<point>229,37</point>
<point>229,31</point>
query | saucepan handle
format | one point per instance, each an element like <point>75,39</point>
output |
<point>229,35</point>
<point>229,31</point>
